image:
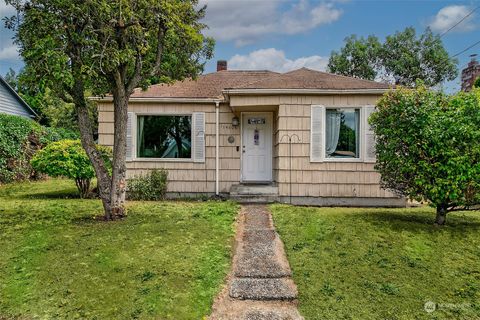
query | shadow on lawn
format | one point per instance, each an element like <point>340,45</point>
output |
<point>422,221</point>
<point>64,194</point>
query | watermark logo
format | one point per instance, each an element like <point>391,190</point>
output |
<point>430,306</point>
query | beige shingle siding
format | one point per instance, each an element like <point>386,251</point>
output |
<point>324,179</point>
<point>186,176</point>
<point>292,115</point>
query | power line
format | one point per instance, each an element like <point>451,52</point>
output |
<point>466,49</point>
<point>461,20</point>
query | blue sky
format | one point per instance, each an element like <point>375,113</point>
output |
<point>285,35</point>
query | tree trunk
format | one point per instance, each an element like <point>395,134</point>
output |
<point>86,137</point>
<point>83,186</point>
<point>179,142</point>
<point>441,214</point>
<point>119,169</point>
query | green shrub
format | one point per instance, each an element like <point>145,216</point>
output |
<point>67,158</point>
<point>427,146</point>
<point>56,134</point>
<point>151,186</point>
<point>20,138</point>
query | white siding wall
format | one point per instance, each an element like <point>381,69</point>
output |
<point>9,103</point>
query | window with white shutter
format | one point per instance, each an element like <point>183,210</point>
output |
<point>199,136</point>
<point>317,128</point>
<point>369,140</point>
<point>130,120</point>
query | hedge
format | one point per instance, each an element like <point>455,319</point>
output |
<point>20,138</point>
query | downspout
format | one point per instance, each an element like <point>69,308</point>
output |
<point>217,146</point>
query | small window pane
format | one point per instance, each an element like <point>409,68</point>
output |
<point>164,137</point>
<point>342,133</point>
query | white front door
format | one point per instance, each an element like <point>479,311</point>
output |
<point>257,147</point>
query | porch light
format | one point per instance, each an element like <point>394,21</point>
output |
<point>235,121</point>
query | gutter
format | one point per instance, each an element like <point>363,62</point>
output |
<point>302,91</point>
<point>167,99</point>
<point>217,146</point>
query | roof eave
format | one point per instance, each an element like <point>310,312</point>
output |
<point>20,99</point>
<point>162,99</point>
<point>303,91</point>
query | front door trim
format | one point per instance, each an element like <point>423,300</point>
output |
<point>269,115</point>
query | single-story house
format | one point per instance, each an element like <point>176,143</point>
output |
<point>300,136</point>
<point>11,103</point>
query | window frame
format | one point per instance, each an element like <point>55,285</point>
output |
<point>160,114</point>
<point>361,142</point>
<point>360,133</point>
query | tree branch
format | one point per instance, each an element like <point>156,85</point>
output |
<point>162,29</point>
<point>117,77</point>
<point>137,75</point>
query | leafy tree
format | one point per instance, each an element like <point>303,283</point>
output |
<point>66,158</point>
<point>52,110</point>
<point>403,58</point>
<point>359,58</point>
<point>477,83</point>
<point>407,58</point>
<point>11,78</point>
<point>80,47</point>
<point>427,147</point>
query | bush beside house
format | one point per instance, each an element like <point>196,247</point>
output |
<point>151,186</point>
<point>20,138</point>
<point>427,146</point>
<point>67,158</point>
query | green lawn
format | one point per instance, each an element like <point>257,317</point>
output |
<point>166,260</point>
<point>382,263</point>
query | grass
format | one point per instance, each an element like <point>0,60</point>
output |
<point>166,260</point>
<point>382,263</point>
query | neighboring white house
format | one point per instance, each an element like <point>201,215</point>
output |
<point>12,103</point>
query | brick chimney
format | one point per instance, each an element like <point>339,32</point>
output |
<point>221,65</point>
<point>470,73</point>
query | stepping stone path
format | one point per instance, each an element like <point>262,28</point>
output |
<point>259,287</point>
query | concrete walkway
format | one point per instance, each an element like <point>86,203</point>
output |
<point>259,285</point>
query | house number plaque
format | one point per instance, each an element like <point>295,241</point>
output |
<point>256,121</point>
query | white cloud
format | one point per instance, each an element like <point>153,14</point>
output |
<point>6,10</point>
<point>303,17</point>
<point>9,53</point>
<point>246,21</point>
<point>275,60</point>
<point>448,16</point>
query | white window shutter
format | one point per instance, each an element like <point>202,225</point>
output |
<point>317,131</point>
<point>369,149</point>
<point>130,128</point>
<point>198,119</point>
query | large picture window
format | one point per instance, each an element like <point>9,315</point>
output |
<point>342,133</point>
<point>164,136</point>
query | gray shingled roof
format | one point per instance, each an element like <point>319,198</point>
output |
<point>211,85</point>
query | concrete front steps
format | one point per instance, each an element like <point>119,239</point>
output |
<point>254,193</point>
